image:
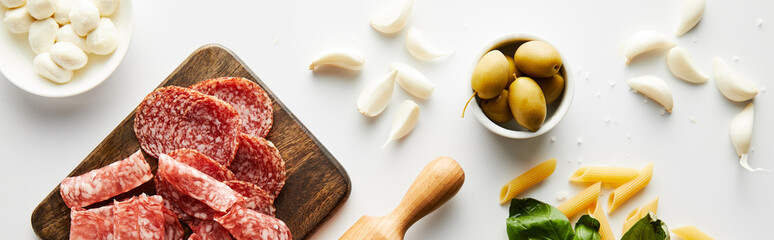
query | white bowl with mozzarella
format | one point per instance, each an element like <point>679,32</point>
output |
<point>16,63</point>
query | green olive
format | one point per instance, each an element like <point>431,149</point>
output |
<point>490,75</point>
<point>496,109</point>
<point>552,87</point>
<point>513,72</point>
<point>527,103</point>
<point>538,59</point>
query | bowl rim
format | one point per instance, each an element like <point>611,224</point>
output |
<point>553,120</point>
<point>120,53</point>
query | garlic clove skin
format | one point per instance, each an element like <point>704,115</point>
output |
<point>394,19</point>
<point>654,88</point>
<point>681,65</point>
<point>345,58</point>
<point>404,122</point>
<point>376,95</point>
<point>421,48</point>
<point>692,11</point>
<point>732,85</point>
<point>741,131</point>
<point>645,41</point>
<point>413,81</point>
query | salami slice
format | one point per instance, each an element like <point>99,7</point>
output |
<point>244,223</point>
<point>258,162</point>
<point>209,230</point>
<point>94,224</point>
<point>151,217</point>
<point>202,163</point>
<point>249,99</point>
<point>106,182</point>
<point>183,205</point>
<point>255,198</point>
<point>172,118</point>
<point>194,183</point>
<point>125,218</point>
<point>173,230</point>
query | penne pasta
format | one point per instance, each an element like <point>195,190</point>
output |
<point>689,232</point>
<point>580,200</point>
<point>595,210</point>
<point>628,189</point>
<point>639,213</point>
<point>613,175</point>
<point>527,180</point>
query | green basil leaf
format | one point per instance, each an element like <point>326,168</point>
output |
<point>534,220</point>
<point>587,228</point>
<point>648,228</point>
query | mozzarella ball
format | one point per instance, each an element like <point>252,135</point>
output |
<point>66,33</point>
<point>68,56</point>
<point>62,13</point>
<point>42,35</point>
<point>18,20</point>
<point>106,7</point>
<point>41,9</point>
<point>84,16</point>
<point>104,39</point>
<point>46,67</point>
<point>13,3</point>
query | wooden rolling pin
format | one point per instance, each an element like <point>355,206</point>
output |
<point>438,182</point>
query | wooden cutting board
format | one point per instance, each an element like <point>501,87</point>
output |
<point>316,183</point>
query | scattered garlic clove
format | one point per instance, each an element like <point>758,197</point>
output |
<point>692,13</point>
<point>346,58</point>
<point>732,85</point>
<point>681,64</point>
<point>404,122</point>
<point>18,20</point>
<point>376,95</point>
<point>45,66</point>
<point>654,88</point>
<point>421,48</point>
<point>645,41</point>
<point>413,81</point>
<point>42,35</point>
<point>741,134</point>
<point>394,19</point>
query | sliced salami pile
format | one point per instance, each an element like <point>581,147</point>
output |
<point>216,172</point>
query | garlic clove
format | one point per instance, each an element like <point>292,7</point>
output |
<point>741,131</point>
<point>654,88</point>
<point>645,41</point>
<point>394,19</point>
<point>413,81</point>
<point>421,48</point>
<point>681,65</point>
<point>404,122</point>
<point>691,14</point>
<point>732,85</point>
<point>376,95</point>
<point>346,58</point>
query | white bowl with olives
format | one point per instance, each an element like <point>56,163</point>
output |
<point>520,87</point>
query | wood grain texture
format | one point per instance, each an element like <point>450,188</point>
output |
<point>316,184</point>
<point>438,182</point>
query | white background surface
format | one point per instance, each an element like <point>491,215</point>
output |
<point>696,174</point>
